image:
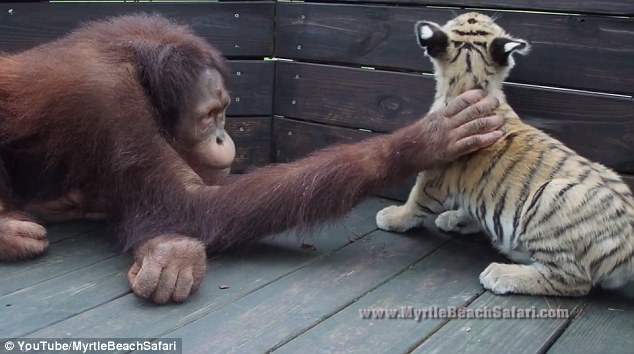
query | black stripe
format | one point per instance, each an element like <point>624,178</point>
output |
<point>468,59</point>
<point>497,224</point>
<point>628,258</point>
<point>590,214</point>
<point>524,194</point>
<point>483,179</point>
<point>530,211</point>
<point>596,263</point>
<point>456,56</point>
<point>425,209</point>
<point>552,211</point>
<point>432,197</point>
<point>484,58</point>
<point>471,33</point>
<point>560,164</point>
<point>482,44</point>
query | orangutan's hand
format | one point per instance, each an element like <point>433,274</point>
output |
<point>168,267</point>
<point>467,124</point>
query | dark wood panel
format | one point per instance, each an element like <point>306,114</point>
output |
<point>276,314</point>
<point>586,52</point>
<point>446,278</point>
<point>612,7</point>
<point>530,335</point>
<point>251,86</point>
<point>245,271</point>
<point>294,139</point>
<point>356,98</point>
<point>252,137</point>
<point>236,28</point>
<point>384,101</point>
<point>594,330</point>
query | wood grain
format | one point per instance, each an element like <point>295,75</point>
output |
<point>598,327</point>
<point>237,29</point>
<point>252,137</point>
<point>447,278</point>
<point>302,299</point>
<point>585,52</point>
<point>611,7</point>
<point>384,101</point>
<point>530,335</point>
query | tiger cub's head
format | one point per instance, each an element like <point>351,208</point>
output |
<point>470,51</point>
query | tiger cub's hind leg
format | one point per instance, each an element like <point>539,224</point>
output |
<point>458,221</point>
<point>415,212</point>
<point>533,279</point>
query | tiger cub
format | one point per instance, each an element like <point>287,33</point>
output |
<point>570,221</point>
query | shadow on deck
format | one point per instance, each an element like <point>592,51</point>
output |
<point>285,298</point>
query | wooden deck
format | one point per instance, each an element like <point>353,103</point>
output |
<point>286,298</point>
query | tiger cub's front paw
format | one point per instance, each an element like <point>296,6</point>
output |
<point>396,218</point>
<point>456,221</point>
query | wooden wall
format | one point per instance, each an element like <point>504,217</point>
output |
<point>243,31</point>
<point>346,69</point>
<point>357,70</point>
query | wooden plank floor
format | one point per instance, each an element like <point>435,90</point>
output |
<point>289,299</point>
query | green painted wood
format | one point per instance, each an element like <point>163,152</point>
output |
<point>605,326</point>
<point>502,335</point>
<point>252,137</point>
<point>54,300</point>
<point>584,52</point>
<point>448,277</point>
<point>245,272</point>
<point>610,7</point>
<point>269,317</point>
<point>383,101</point>
<point>238,29</point>
<point>62,258</point>
<point>251,87</point>
<point>61,231</point>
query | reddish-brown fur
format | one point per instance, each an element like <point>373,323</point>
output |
<point>98,111</point>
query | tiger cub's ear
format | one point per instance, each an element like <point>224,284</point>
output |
<point>432,38</point>
<point>502,49</point>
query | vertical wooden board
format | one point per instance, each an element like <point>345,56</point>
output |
<point>252,138</point>
<point>446,278</point>
<point>61,258</point>
<point>583,52</point>
<point>57,299</point>
<point>251,87</point>
<point>495,335</point>
<point>269,317</point>
<point>245,272</point>
<point>357,98</point>
<point>605,326</point>
<point>236,28</point>
<point>611,7</point>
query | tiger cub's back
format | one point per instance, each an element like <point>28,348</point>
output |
<point>570,220</point>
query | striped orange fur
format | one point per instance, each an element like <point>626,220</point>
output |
<point>567,220</point>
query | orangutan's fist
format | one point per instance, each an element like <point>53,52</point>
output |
<point>168,267</point>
